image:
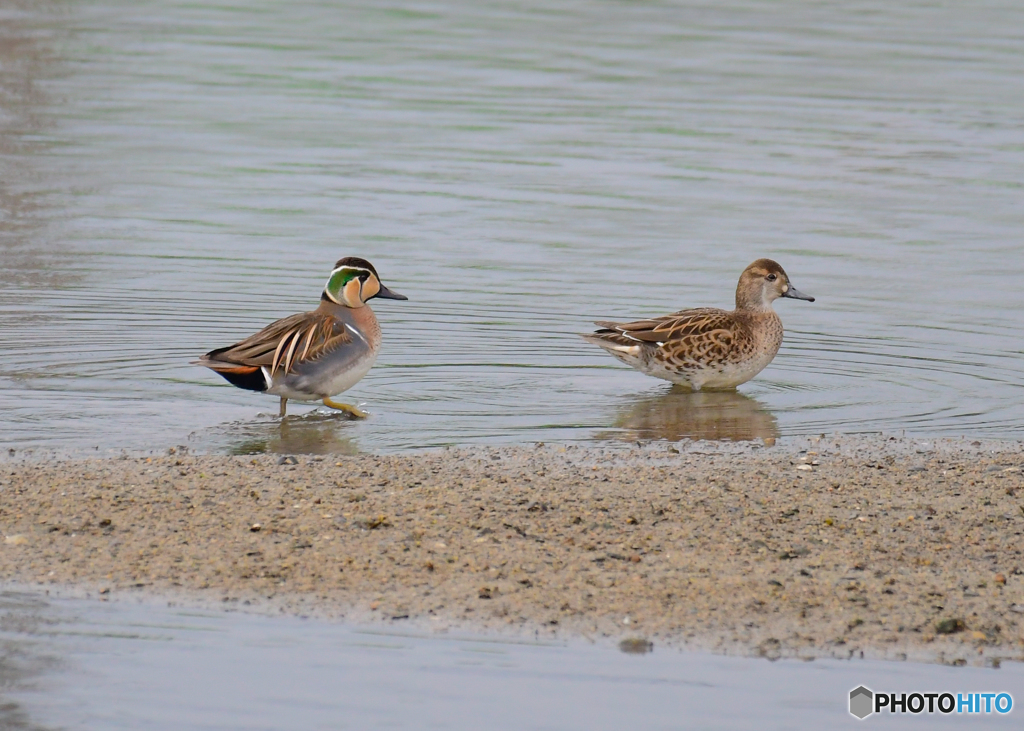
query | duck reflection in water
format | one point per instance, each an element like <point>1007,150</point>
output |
<point>312,433</point>
<point>683,414</point>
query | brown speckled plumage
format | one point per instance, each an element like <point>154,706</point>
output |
<point>707,347</point>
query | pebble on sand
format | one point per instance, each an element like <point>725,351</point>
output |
<point>636,646</point>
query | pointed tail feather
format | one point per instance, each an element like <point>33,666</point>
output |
<point>250,378</point>
<point>613,342</point>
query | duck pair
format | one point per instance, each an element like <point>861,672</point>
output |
<point>316,355</point>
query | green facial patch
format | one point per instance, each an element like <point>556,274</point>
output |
<point>340,277</point>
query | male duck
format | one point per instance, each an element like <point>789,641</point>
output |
<point>314,355</point>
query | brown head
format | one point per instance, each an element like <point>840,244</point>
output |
<point>354,282</point>
<point>762,283</point>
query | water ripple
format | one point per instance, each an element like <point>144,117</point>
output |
<point>177,175</point>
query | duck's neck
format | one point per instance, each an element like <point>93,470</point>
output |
<point>752,303</point>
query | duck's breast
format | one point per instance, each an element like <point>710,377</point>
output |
<point>753,341</point>
<point>340,367</point>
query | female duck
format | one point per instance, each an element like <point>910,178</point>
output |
<point>706,347</point>
<point>314,355</point>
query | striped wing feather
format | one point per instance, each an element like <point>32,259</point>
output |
<point>686,324</point>
<point>284,344</point>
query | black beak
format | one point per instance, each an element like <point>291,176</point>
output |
<point>796,294</point>
<point>387,294</point>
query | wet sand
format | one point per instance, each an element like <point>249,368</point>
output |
<point>890,548</point>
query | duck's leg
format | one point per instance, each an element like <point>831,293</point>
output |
<point>284,406</point>
<point>352,410</point>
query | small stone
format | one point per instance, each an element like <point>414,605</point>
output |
<point>1000,579</point>
<point>770,649</point>
<point>804,467</point>
<point>367,523</point>
<point>16,540</point>
<point>288,460</point>
<point>636,646</point>
<point>950,626</point>
<point>256,527</point>
<point>769,441</point>
<point>484,593</point>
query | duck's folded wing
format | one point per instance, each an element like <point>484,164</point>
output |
<point>679,325</point>
<point>282,345</point>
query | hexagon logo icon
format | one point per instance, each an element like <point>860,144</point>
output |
<point>861,702</point>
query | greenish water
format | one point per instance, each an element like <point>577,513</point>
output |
<point>175,175</point>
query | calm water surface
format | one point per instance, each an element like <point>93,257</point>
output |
<point>174,175</point>
<point>89,665</point>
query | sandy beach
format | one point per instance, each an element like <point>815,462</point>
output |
<point>873,546</point>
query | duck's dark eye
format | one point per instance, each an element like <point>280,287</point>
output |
<point>771,277</point>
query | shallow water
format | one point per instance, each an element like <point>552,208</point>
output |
<point>94,665</point>
<point>175,175</point>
